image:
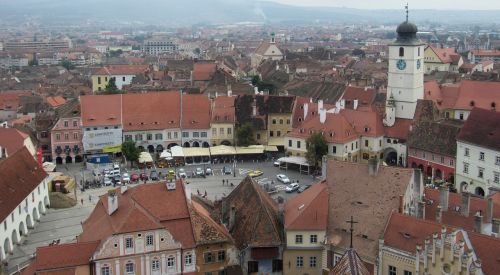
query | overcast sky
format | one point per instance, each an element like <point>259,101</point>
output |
<point>396,4</point>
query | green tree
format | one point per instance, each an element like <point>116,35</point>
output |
<point>130,151</point>
<point>111,87</point>
<point>116,53</point>
<point>316,149</point>
<point>67,64</point>
<point>358,52</point>
<point>255,80</point>
<point>244,134</point>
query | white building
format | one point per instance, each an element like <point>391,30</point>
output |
<point>24,197</point>
<point>478,153</point>
<point>266,51</point>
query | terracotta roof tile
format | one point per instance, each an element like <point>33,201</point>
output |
<point>308,210</point>
<point>122,70</point>
<point>20,174</point>
<point>482,128</point>
<point>350,264</point>
<point>203,71</point>
<point>336,128</point>
<point>434,137</point>
<point>444,54</point>
<point>223,110</point>
<point>205,229</point>
<point>364,95</point>
<point>100,110</point>
<point>400,129</point>
<point>12,140</point>
<point>64,255</point>
<point>55,101</point>
<point>486,52</point>
<point>481,94</point>
<point>195,112</point>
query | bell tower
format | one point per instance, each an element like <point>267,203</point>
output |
<point>406,74</point>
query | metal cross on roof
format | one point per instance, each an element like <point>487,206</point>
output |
<point>406,8</point>
<point>352,222</point>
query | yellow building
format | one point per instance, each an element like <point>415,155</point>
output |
<point>122,74</point>
<point>278,125</point>
<point>441,59</point>
<point>416,246</point>
<point>222,121</point>
<point>305,222</point>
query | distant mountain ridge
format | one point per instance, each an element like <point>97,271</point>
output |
<point>189,12</point>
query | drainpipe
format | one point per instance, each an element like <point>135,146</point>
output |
<point>182,262</point>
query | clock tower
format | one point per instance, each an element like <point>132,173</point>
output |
<point>406,74</point>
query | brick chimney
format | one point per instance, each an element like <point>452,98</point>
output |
<point>112,201</point>
<point>489,211</point>
<point>465,204</point>
<point>444,194</point>
<point>373,166</point>
<point>421,210</point>
<point>439,214</point>
<point>478,222</point>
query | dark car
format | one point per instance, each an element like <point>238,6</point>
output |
<point>227,170</point>
<point>154,175</point>
<point>144,176</point>
<point>303,188</point>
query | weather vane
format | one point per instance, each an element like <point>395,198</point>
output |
<point>406,7</point>
<point>352,222</point>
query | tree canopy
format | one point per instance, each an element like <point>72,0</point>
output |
<point>130,151</point>
<point>316,149</point>
<point>111,86</point>
<point>245,134</point>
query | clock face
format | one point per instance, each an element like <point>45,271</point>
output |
<point>418,64</point>
<point>401,64</point>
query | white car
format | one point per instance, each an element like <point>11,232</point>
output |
<point>292,187</point>
<point>182,173</point>
<point>277,163</point>
<point>126,178</point>
<point>107,181</point>
<point>283,178</point>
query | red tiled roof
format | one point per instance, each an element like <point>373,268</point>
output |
<point>12,140</point>
<point>366,122</point>
<point>308,210</point>
<point>365,96</point>
<point>64,255</point>
<point>20,174</point>
<point>55,101</point>
<point>206,230</point>
<point>481,94</point>
<point>122,70</point>
<point>100,110</point>
<point>223,110</point>
<point>486,52</point>
<point>444,54</point>
<point>11,100</point>
<point>203,71</point>
<point>195,112</point>
<point>400,129</point>
<point>482,128</point>
<point>151,111</point>
<point>336,128</point>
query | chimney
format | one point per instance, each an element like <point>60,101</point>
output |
<point>254,107</point>
<point>421,210</point>
<point>489,211</point>
<point>112,201</point>
<point>478,222</point>
<point>306,109</point>
<point>123,189</point>
<point>444,193</point>
<point>439,214</point>
<point>355,104</point>
<point>229,90</point>
<point>256,90</point>
<point>342,103</point>
<point>465,204</point>
<point>232,217</point>
<point>322,116</point>
<point>373,165</point>
<point>401,205</point>
<point>320,105</point>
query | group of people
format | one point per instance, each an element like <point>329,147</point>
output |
<point>226,182</point>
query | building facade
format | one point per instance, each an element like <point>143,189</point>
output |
<point>66,137</point>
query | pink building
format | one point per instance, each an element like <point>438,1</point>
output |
<point>66,137</point>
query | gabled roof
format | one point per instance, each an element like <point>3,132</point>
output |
<point>11,100</point>
<point>64,255</point>
<point>12,140</point>
<point>205,229</point>
<point>485,52</point>
<point>444,54</point>
<point>55,101</point>
<point>195,112</point>
<point>308,210</point>
<point>20,175</point>
<point>256,216</point>
<point>436,137</point>
<point>481,94</point>
<point>122,70</point>
<point>223,109</point>
<point>203,71</point>
<point>350,264</point>
<point>482,128</point>
<point>336,128</point>
<point>100,110</point>
<point>365,121</point>
<point>364,95</point>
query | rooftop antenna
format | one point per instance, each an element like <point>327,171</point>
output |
<point>352,222</point>
<point>406,8</point>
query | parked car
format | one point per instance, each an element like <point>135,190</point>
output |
<point>171,173</point>
<point>226,170</point>
<point>107,181</point>
<point>134,177</point>
<point>276,163</point>
<point>153,175</point>
<point>116,179</point>
<point>283,178</point>
<point>126,178</point>
<point>199,172</point>
<point>144,176</point>
<point>255,173</point>
<point>208,171</point>
<point>303,188</point>
<point>182,173</point>
<point>292,187</point>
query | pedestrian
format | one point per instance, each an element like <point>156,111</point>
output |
<point>205,193</point>
<point>222,182</point>
<point>90,198</point>
<point>81,200</point>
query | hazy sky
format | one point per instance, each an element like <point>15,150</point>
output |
<point>395,4</point>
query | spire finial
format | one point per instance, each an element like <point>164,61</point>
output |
<point>352,222</point>
<point>406,8</point>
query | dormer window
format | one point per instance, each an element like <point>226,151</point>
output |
<point>332,133</point>
<point>472,103</point>
<point>493,105</point>
<point>301,130</point>
<point>367,129</point>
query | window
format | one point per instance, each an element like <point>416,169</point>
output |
<point>496,177</point>
<point>298,144</point>
<point>401,51</point>
<point>289,143</point>
<point>149,240</point>
<point>274,121</point>
<point>158,136</point>
<point>418,51</point>
<point>298,238</point>
<point>66,123</point>
<point>196,134</point>
<point>480,172</point>
<point>203,134</point>
<point>176,135</point>
<point>170,262</point>
<point>66,136</point>
<point>281,121</point>
<point>481,156</point>
<point>105,270</point>
<point>366,143</point>
<point>123,78</point>
<point>314,238</point>
<point>128,137</point>
<point>185,134</point>
<point>334,149</point>
<point>129,243</point>
<point>221,256</point>
<point>75,123</point>
<point>149,136</point>
<point>300,261</point>
<point>277,265</point>
<point>221,131</point>
<point>287,121</point>
<point>75,135</point>
<point>380,142</point>
<point>58,136</point>
<point>12,217</point>
<point>138,137</point>
<point>188,259</point>
<point>461,116</point>
<point>229,131</point>
<point>497,160</point>
<point>312,261</point>
<point>5,225</point>
<point>466,168</point>
<point>442,159</point>
<point>253,266</point>
<point>271,133</point>
<point>466,152</point>
<point>392,270</point>
<point>336,259</point>
<point>129,268</point>
<point>258,136</point>
<point>155,265</point>
<point>214,131</point>
<point>406,272</point>
<point>209,257</point>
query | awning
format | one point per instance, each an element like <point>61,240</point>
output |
<point>294,160</point>
<point>271,148</point>
<point>252,149</point>
<point>222,150</point>
<point>112,149</point>
<point>196,152</point>
<point>260,253</point>
<point>276,141</point>
<point>177,151</point>
<point>166,155</point>
<point>145,157</point>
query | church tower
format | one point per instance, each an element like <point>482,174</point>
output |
<point>406,74</point>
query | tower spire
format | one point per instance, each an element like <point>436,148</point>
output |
<point>406,8</point>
